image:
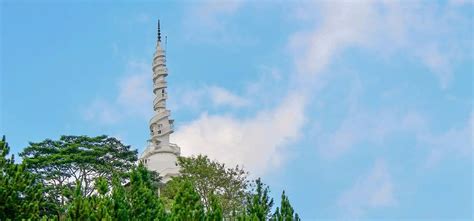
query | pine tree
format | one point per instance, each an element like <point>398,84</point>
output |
<point>20,192</point>
<point>285,212</point>
<point>101,204</point>
<point>144,201</point>
<point>78,208</point>
<point>259,203</point>
<point>120,204</point>
<point>187,204</point>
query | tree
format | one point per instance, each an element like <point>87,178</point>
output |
<point>144,201</point>
<point>285,212</point>
<point>212,179</point>
<point>95,207</point>
<point>215,211</point>
<point>20,192</point>
<point>70,160</point>
<point>259,204</point>
<point>95,178</point>
<point>120,204</point>
<point>137,201</point>
<point>187,204</point>
<point>78,208</point>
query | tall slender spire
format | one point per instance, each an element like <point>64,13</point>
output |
<point>159,32</point>
<point>160,154</point>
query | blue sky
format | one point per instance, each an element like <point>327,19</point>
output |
<point>358,109</point>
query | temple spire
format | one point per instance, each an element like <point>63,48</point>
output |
<point>160,154</point>
<point>159,32</point>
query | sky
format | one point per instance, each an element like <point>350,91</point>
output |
<point>359,110</point>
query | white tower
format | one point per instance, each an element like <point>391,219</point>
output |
<point>161,155</point>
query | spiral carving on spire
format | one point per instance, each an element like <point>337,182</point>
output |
<point>160,154</point>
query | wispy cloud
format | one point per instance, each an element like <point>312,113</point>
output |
<point>371,191</point>
<point>102,112</point>
<point>207,97</point>
<point>210,22</point>
<point>384,27</point>
<point>361,126</point>
<point>221,96</point>
<point>456,141</point>
<point>134,98</point>
<point>371,25</point>
<point>135,91</point>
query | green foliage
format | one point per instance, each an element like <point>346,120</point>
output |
<point>285,212</point>
<point>259,204</point>
<point>169,190</point>
<point>120,204</point>
<point>213,179</point>
<point>187,203</point>
<point>215,210</point>
<point>83,178</point>
<point>77,159</point>
<point>21,195</point>
<point>144,200</point>
<point>79,208</point>
<point>101,185</point>
<point>138,201</point>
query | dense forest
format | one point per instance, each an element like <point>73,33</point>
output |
<point>99,178</point>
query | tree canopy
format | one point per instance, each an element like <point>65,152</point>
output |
<point>21,194</point>
<point>63,163</point>
<point>97,178</point>
<point>212,180</point>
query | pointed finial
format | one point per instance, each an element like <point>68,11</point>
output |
<point>159,32</point>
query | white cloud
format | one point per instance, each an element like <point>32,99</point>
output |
<point>135,93</point>
<point>263,91</point>
<point>368,24</point>
<point>221,97</point>
<point>385,27</point>
<point>102,112</point>
<point>209,13</point>
<point>416,30</point>
<point>438,64</point>
<point>344,24</point>
<point>134,98</point>
<point>457,141</point>
<point>361,126</point>
<point>210,22</point>
<point>206,97</point>
<point>258,143</point>
<point>461,2</point>
<point>371,191</point>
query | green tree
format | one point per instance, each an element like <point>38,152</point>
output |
<point>101,204</point>
<point>78,208</point>
<point>120,204</point>
<point>214,213</point>
<point>77,159</point>
<point>212,179</point>
<point>259,204</point>
<point>137,201</point>
<point>169,190</point>
<point>285,212</point>
<point>20,192</point>
<point>187,203</point>
<point>144,201</point>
